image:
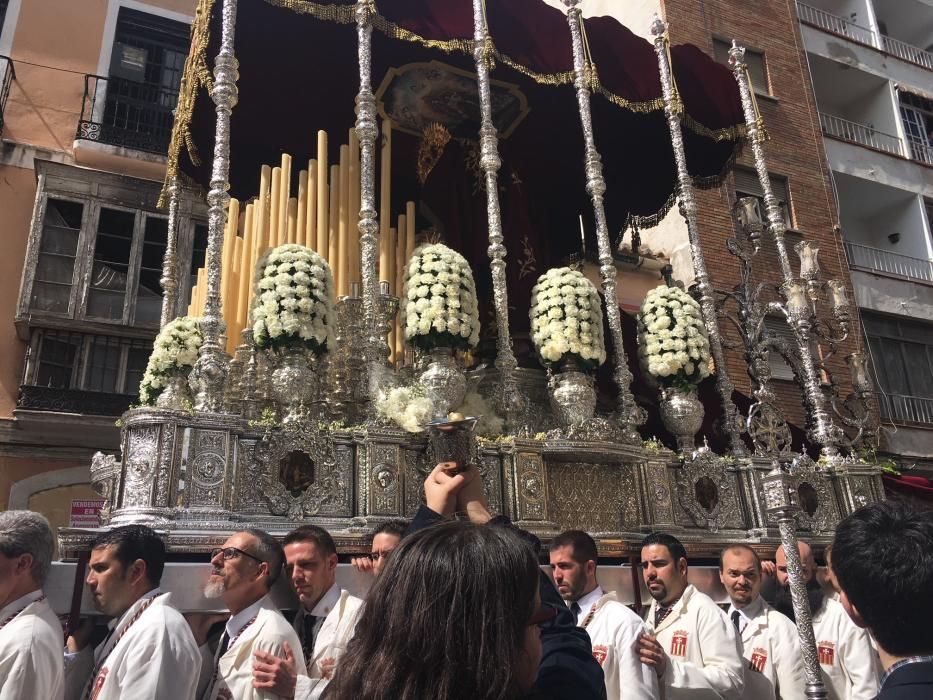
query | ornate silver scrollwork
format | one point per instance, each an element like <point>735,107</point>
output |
<point>706,490</point>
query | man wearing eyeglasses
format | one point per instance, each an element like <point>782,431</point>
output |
<point>244,570</point>
<point>385,538</point>
<point>325,621</point>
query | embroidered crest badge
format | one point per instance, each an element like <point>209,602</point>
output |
<point>600,652</point>
<point>758,660</point>
<point>679,643</point>
<point>827,653</point>
<point>99,682</point>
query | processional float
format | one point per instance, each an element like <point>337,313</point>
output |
<point>296,388</point>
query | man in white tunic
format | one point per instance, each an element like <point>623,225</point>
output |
<point>692,646</point>
<point>613,628</point>
<point>848,660</point>
<point>150,651</point>
<point>769,640</point>
<point>244,570</point>
<point>325,621</point>
<point>31,663</point>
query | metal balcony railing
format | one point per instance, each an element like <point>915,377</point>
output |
<point>877,260</point>
<point>863,35</point>
<point>860,133</point>
<point>907,409</point>
<point>127,113</point>
<point>907,52</point>
<point>7,76</point>
<point>919,150</point>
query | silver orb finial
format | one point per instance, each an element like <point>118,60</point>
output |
<point>658,26</point>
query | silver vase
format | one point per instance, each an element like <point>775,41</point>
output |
<point>444,381</point>
<point>682,415</point>
<point>293,382</point>
<point>573,397</point>
<point>175,396</point>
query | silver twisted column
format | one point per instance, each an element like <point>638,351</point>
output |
<point>169,279</point>
<point>512,402</point>
<point>688,209</point>
<point>823,430</point>
<point>367,130</point>
<point>629,413</point>
<point>781,503</point>
<point>210,370</point>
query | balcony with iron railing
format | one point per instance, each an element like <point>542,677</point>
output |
<point>7,76</point>
<point>862,134</point>
<point>127,113</point>
<point>906,409</point>
<point>863,257</point>
<point>841,26</point>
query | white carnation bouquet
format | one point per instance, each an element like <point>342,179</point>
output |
<point>294,300</point>
<point>673,342</point>
<point>409,407</point>
<point>439,306</point>
<point>566,319</point>
<point>174,353</point>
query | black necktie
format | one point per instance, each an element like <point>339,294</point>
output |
<point>575,609</point>
<point>309,628</point>
<point>735,619</point>
<point>224,644</point>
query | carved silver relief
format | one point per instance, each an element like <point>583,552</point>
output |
<point>814,493</point>
<point>530,486</point>
<point>706,490</point>
<point>105,473</point>
<point>207,460</point>
<point>384,480</point>
<point>139,470</point>
<point>586,496</point>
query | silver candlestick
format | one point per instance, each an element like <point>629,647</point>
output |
<point>688,209</point>
<point>781,503</point>
<point>210,371</point>
<point>630,414</point>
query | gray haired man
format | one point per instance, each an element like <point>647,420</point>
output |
<point>31,663</point>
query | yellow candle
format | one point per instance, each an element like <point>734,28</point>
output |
<point>323,219</point>
<point>344,222</point>
<point>261,232</point>
<point>275,197</point>
<point>410,217</point>
<point>333,205</point>
<point>285,186</point>
<point>292,221</point>
<point>302,223</point>
<point>311,218</point>
<point>247,253</point>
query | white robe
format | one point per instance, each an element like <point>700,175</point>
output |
<point>849,662</point>
<point>340,611</point>
<point>267,633</point>
<point>614,631</point>
<point>771,647</point>
<point>31,662</point>
<point>703,650</point>
<point>157,657</point>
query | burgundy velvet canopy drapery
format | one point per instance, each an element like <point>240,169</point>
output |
<point>298,74</point>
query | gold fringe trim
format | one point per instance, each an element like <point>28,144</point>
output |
<point>197,74</point>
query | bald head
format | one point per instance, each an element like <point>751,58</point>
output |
<point>807,562</point>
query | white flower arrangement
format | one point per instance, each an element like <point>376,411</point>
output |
<point>567,319</point>
<point>409,407</point>
<point>672,338</point>
<point>294,300</point>
<point>174,353</point>
<point>439,299</point>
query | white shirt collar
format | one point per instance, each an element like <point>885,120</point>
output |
<point>748,613</point>
<point>588,601</point>
<point>237,622</point>
<point>327,602</point>
<point>20,603</point>
<point>134,607</point>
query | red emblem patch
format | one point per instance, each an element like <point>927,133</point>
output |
<point>758,660</point>
<point>679,643</point>
<point>99,683</point>
<point>600,652</point>
<point>827,652</point>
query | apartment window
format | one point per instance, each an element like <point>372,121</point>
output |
<point>755,60</point>
<point>82,372</point>
<point>917,116</point>
<point>778,328</point>
<point>902,356</point>
<point>747,184</point>
<point>58,250</point>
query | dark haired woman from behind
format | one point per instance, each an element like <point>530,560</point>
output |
<point>458,614</point>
